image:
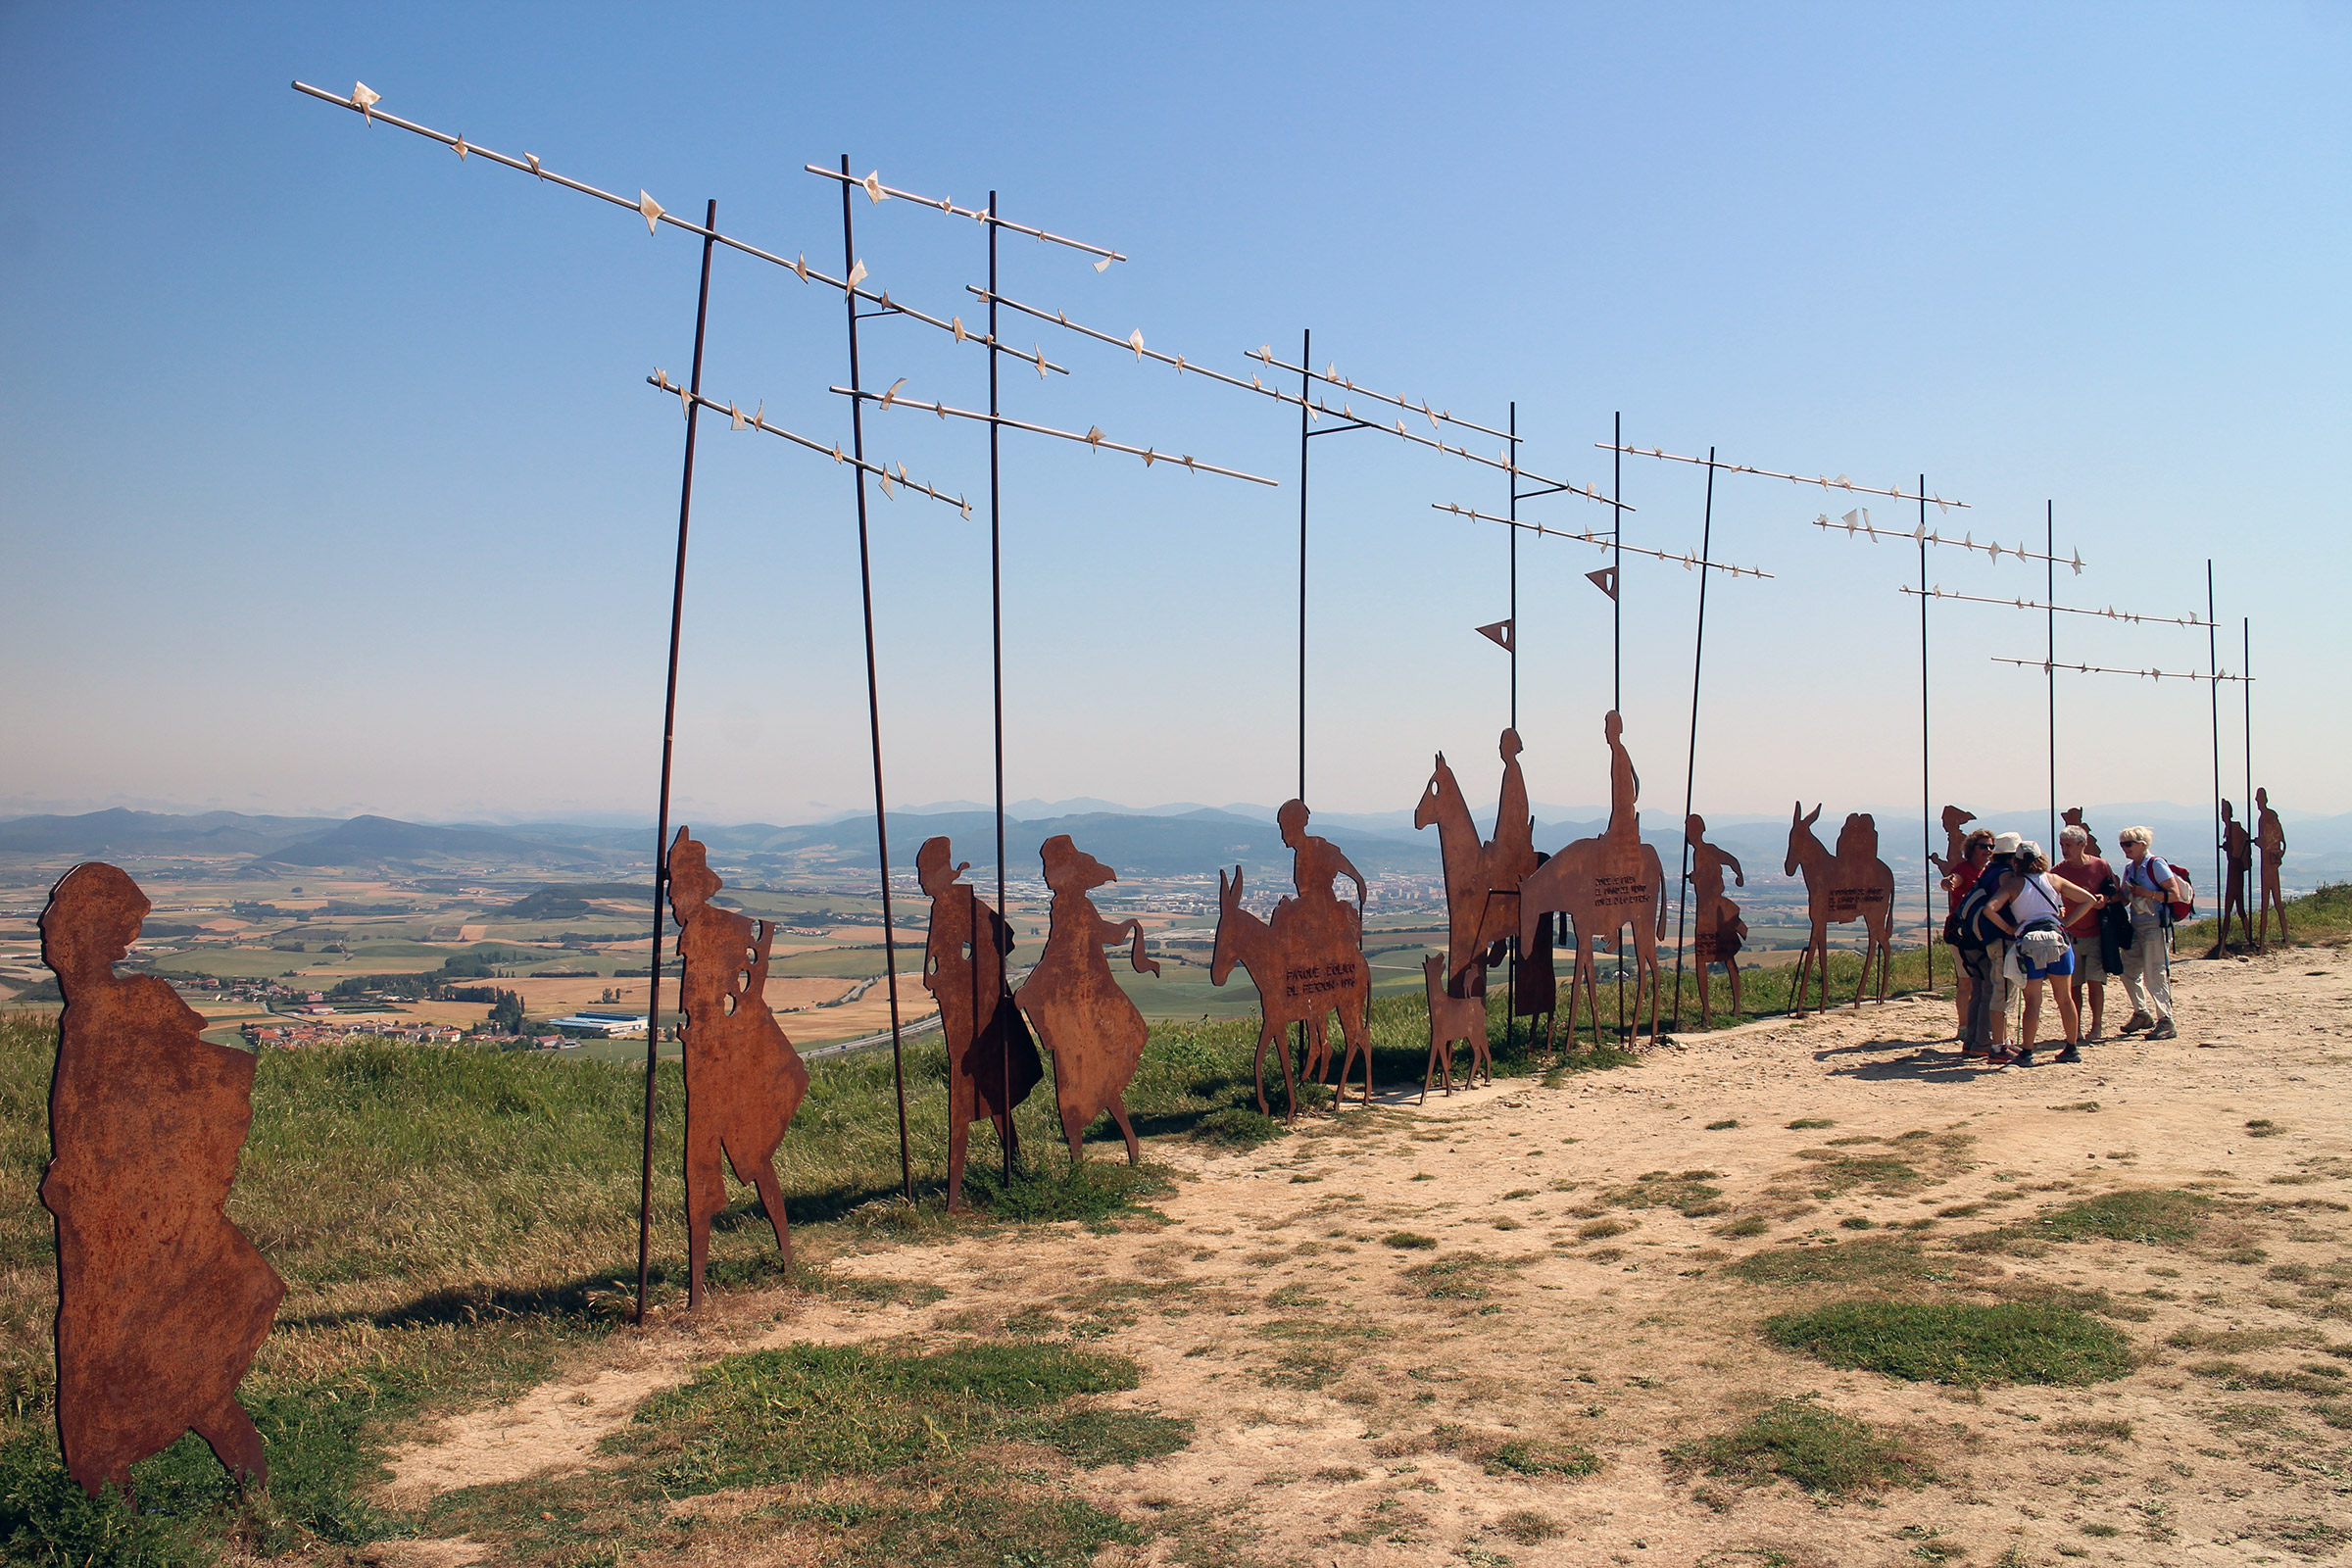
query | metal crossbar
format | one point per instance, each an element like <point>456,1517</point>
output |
<point>2046,666</point>
<point>1685,560</point>
<point>1094,437</point>
<point>363,102</point>
<point>756,420</point>
<point>1841,482</point>
<point>1921,536</point>
<point>2109,614</point>
<point>877,192</point>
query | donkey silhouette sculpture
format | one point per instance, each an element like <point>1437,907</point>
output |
<point>1853,884</point>
<point>1302,969</point>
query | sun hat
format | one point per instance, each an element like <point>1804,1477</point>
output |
<point>2006,844</point>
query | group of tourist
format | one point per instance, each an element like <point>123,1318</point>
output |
<point>2017,921</point>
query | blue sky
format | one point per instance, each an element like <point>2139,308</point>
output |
<point>328,479</point>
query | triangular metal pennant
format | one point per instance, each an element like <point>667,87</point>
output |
<point>1605,579</point>
<point>1499,634</point>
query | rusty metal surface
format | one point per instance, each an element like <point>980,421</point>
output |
<point>1075,1005</point>
<point>2270,837</point>
<point>1853,884</point>
<point>1955,838</point>
<point>1720,933</point>
<point>2071,816</point>
<point>987,1042</point>
<point>161,1301</point>
<point>1306,963</point>
<point>1482,877</point>
<point>1602,886</point>
<point>1453,1018</point>
<point>2238,852</point>
<point>744,1081</point>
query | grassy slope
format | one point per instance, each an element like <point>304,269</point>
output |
<point>448,1220</point>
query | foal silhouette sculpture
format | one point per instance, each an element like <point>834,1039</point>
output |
<point>744,1081</point>
<point>992,1062</point>
<point>1602,884</point>
<point>161,1301</point>
<point>1720,932</point>
<point>2270,837</point>
<point>1089,1024</point>
<point>1306,963</point>
<point>1853,884</point>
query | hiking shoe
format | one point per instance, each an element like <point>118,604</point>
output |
<point>2024,1059</point>
<point>2164,1031</point>
<point>1998,1058</point>
<point>2069,1054</point>
<point>2137,1022</point>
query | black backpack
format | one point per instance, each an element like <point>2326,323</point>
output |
<point>1977,932</point>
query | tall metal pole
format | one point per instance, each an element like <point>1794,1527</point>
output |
<point>2212,688</point>
<point>1306,345</point>
<point>995,624</point>
<point>669,724</point>
<point>1616,627</point>
<point>2245,686</point>
<point>1698,650</point>
<point>1510,980</point>
<point>1927,806</point>
<point>2049,666</point>
<point>873,698</point>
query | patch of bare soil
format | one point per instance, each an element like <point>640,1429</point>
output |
<point>1475,1330</point>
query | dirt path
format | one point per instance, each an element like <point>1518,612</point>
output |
<point>1361,1402</point>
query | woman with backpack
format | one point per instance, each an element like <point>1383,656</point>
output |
<point>2155,890</point>
<point>1983,945</point>
<point>2034,907</point>
<point>1974,851</point>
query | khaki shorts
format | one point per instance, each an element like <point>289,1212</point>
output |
<point>2089,970</point>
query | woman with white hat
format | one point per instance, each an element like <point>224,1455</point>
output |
<point>2033,908</point>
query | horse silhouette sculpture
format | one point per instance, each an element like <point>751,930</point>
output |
<point>1453,1018</point>
<point>1602,884</point>
<point>1851,885</point>
<point>1303,968</point>
<point>1481,878</point>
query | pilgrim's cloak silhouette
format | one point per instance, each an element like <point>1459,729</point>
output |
<point>744,1081</point>
<point>963,969</point>
<point>1094,1031</point>
<point>1853,884</point>
<point>2237,852</point>
<point>2270,837</point>
<point>1721,932</point>
<point>161,1301</point>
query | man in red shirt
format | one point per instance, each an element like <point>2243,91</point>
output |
<point>2096,877</point>
<point>1963,875</point>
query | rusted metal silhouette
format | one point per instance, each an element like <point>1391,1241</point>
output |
<point>992,1062</point>
<point>1721,933</point>
<point>1094,1031</point>
<point>161,1301</point>
<point>1955,841</point>
<point>2270,837</point>
<point>1602,884</point>
<point>2237,852</point>
<point>2071,816</point>
<point>744,1081</point>
<point>1853,884</point>
<point>1306,963</point>
<point>1453,1018</point>
<point>1482,879</point>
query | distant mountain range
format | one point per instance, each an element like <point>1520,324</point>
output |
<point>1167,840</point>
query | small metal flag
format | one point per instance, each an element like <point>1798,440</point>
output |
<point>1605,579</point>
<point>1499,634</point>
<point>649,208</point>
